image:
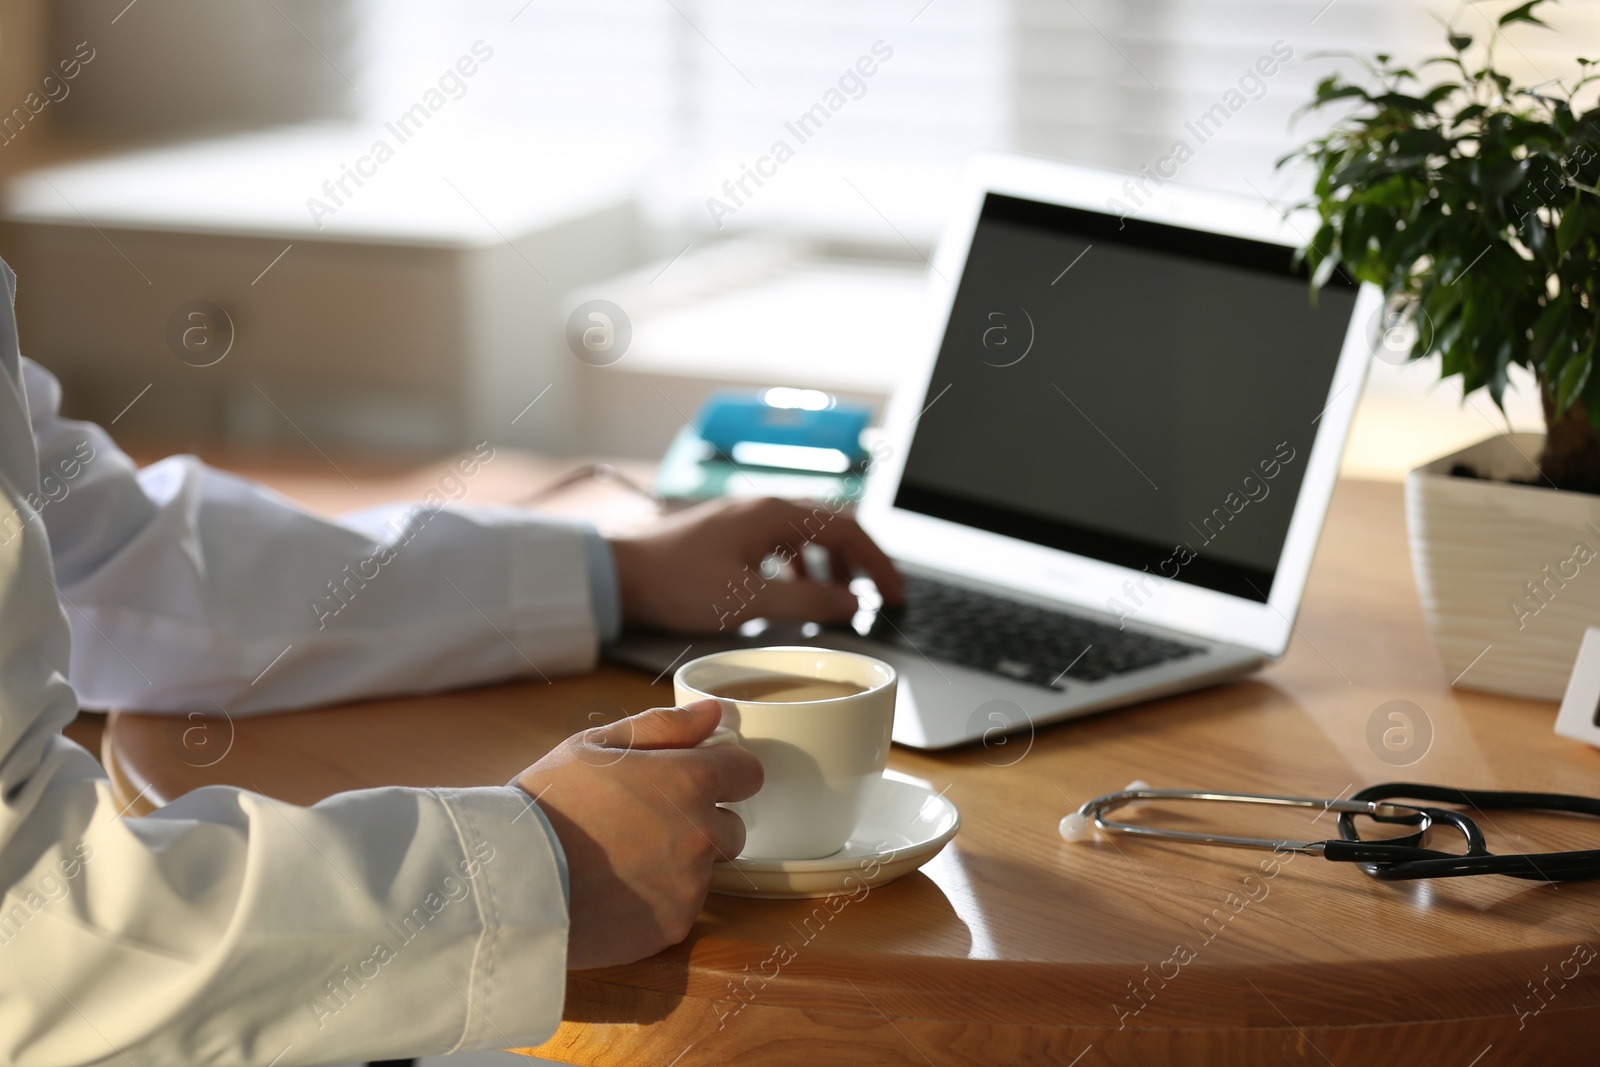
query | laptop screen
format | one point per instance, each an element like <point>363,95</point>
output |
<point>1133,392</point>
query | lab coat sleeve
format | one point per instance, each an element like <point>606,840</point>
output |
<point>228,928</point>
<point>188,589</point>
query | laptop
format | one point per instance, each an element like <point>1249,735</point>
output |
<point>1106,470</point>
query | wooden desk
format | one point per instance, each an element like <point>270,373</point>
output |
<point>1014,946</point>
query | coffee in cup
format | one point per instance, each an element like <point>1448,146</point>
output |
<point>775,688</point>
<point>819,720</point>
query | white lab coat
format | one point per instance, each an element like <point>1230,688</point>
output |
<point>184,585</point>
<point>227,928</point>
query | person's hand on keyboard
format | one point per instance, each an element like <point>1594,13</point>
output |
<point>708,567</point>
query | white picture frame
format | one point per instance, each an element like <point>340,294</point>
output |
<point>1579,718</point>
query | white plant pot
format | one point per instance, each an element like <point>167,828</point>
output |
<point>1509,574</point>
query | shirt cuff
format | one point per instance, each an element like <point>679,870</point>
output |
<point>519,969</point>
<point>603,586</point>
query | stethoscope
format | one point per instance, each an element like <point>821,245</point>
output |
<point>1392,858</point>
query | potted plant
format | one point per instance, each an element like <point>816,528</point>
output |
<point>1472,202</point>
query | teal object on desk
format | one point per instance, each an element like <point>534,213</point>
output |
<point>693,470</point>
<point>805,446</point>
<point>795,429</point>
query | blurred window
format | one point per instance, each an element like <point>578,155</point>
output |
<point>709,88</point>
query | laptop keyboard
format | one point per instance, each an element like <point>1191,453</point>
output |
<point>1016,640</point>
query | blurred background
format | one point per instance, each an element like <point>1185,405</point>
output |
<point>385,210</point>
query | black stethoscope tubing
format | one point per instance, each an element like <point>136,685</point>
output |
<point>1403,858</point>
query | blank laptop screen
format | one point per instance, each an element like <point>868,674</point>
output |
<point>1129,391</point>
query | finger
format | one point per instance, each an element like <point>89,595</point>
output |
<point>727,834</point>
<point>785,525</point>
<point>801,567</point>
<point>840,568</point>
<point>845,537</point>
<point>809,601</point>
<point>682,727</point>
<point>736,774</point>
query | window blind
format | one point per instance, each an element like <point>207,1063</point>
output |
<point>1199,91</point>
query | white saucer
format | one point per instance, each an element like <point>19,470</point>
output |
<point>905,825</point>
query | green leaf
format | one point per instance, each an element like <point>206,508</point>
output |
<point>1498,374</point>
<point>1460,41</point>
<point>1574,376</point>
<point>1587,129</point>
<point>1322,243</point>
<point>1533,234</point>
<point>1507,272</point>
<point>1357,172</point>
<point>1570,228</point>
<point>1324,271</point>
<point>1447,342</point>
<point>1453,61</point>
<point>1425,142</point>
<point>1522,14</point>
<point>1501,179</point>
<point>1546,329</point>
<point>1565,123</point>
<point>1327,93</point>
<point>1555,362</point>
<point>1403,102</point>
<point>1441,92</point>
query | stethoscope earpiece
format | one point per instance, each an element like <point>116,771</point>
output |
<point>1074,826</point>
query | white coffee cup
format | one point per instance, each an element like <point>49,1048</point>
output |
<point>820,757</point>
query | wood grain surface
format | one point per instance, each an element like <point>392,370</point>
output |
<point>1014,946</point>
